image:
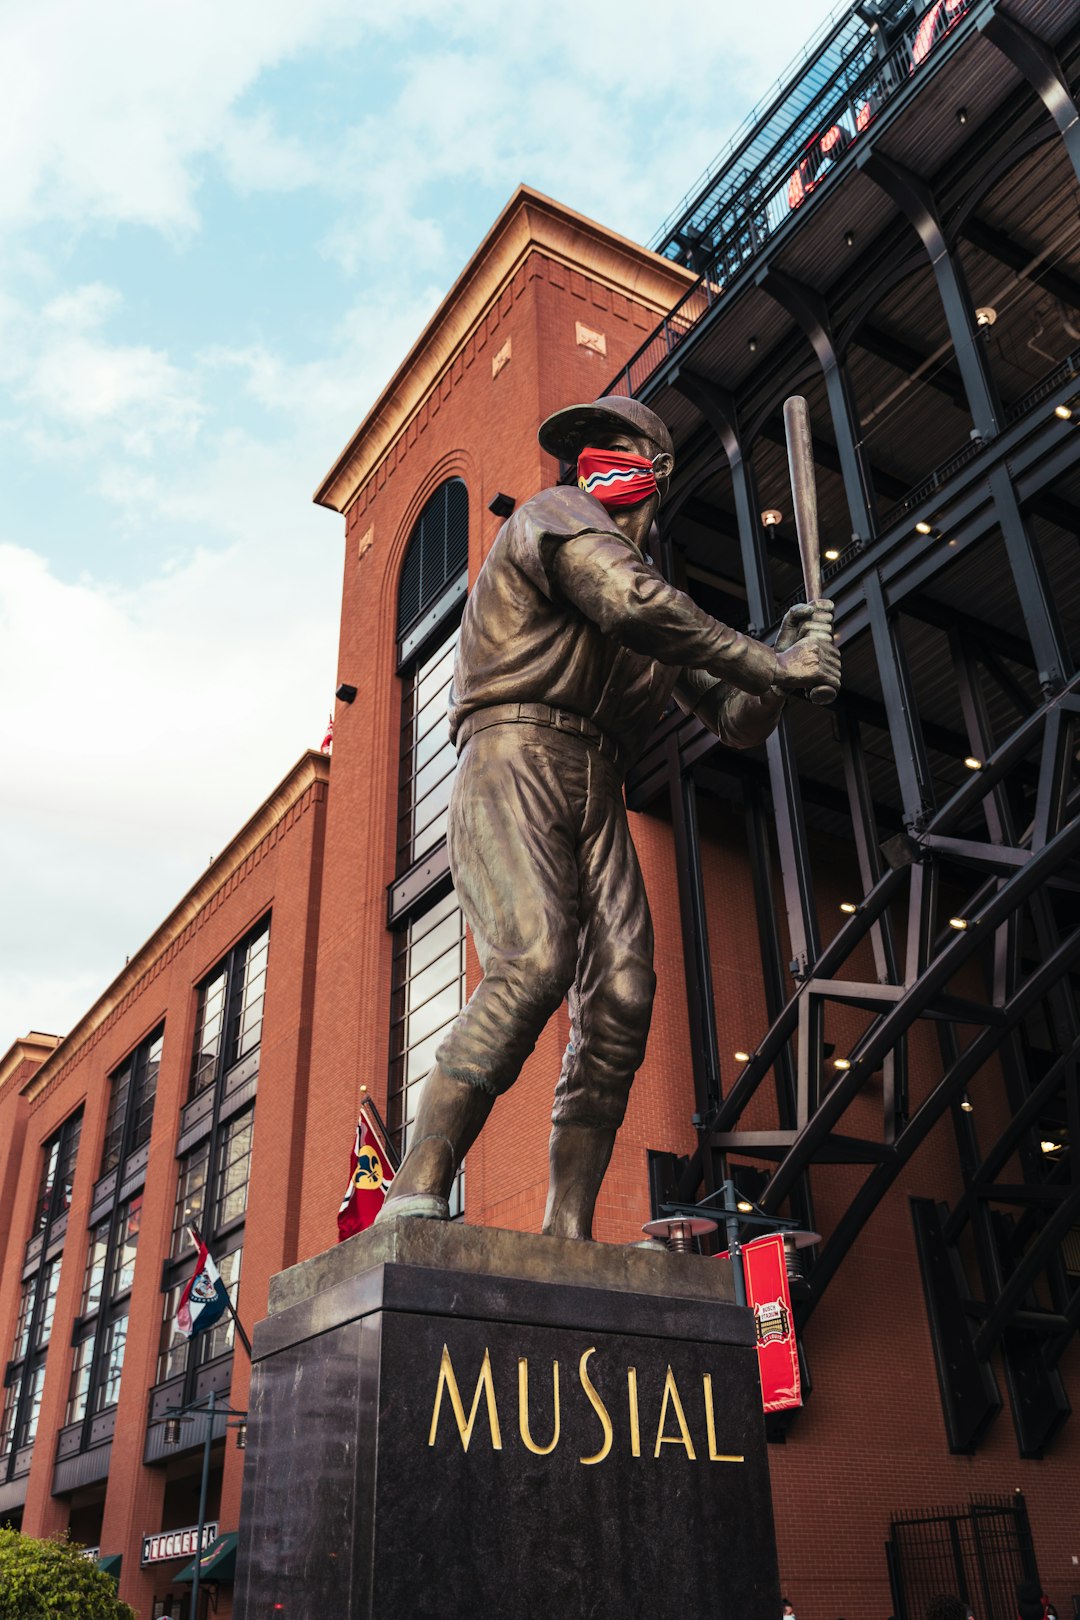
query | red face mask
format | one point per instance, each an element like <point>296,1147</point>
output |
<point>616,477</point>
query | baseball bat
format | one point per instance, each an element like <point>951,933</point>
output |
<point>804,495</point>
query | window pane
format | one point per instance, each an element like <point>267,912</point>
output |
<point>95,1269</point>
<point>7,1422</point>
<point>50,1282</point>
<point>70,1135</point>
<point>48,1178</point>
<point>35,1383</point>
<point>114,1124</point>
<point>22,1326</point>
<point>219,1339</point>
<point>209,1023</point>
<point>234,1164</point>
<point>80,1380</point>
<point>112,1362</point>
<point>128,1220</point>
<point>142,1102</point>
<point>190,1198</point>
<point>173,1355</point>
<point>428,759</point>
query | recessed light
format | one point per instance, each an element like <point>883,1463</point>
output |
<point>751,344</point>
<point>832,555</point>
<point>849,238</point>
<point>961,115</point>
<point>924,526</point>
<point>959,923</point>
<point>771,517</point>
<point>1064,411</point>
<point>972,763</point>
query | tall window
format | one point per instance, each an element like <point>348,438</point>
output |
<point>101,1329</point>
<point>25,1376</point>
<point>214,1169</point>
<point>429,992</point>
<point>131,1102</point>
<point>429,945</point>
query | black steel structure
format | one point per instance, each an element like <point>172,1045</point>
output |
<point>980,1553</point>
<point>898,238</point>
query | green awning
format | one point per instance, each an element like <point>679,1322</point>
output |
<point>111,1565</point>
<point>218,1562</point>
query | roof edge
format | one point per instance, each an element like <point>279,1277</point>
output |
<point>529,222</point>
<point>310,768</point>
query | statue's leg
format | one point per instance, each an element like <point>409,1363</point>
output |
<point>610,1006</point>
<point>514,814</point>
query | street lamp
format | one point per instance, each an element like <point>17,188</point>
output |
<point>183,1414</point>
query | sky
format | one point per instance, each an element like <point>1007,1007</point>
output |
<point>222,225</point>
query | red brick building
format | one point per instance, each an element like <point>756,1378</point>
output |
<point>218,1076</point>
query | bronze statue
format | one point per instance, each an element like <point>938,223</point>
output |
<point>571,646</point>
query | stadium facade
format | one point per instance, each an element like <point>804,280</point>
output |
<point>867,932</point>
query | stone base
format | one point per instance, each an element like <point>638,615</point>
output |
<point>450,1421</point>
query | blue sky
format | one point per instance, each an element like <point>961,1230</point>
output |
<point>221,227</point>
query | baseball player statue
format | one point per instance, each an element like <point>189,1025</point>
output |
<point>571,647</point>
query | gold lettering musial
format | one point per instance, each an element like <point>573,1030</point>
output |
<point>675,1419</point>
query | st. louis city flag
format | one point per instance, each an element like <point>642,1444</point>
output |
<point>370,1176</point>
<point>204,1300</point>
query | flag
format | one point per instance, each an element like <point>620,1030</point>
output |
<point>768,1293</point>
<point>370,1176</point>
<point>205,1299</point>
<point>327,744</point>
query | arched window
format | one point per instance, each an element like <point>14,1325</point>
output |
<point>429,948</point>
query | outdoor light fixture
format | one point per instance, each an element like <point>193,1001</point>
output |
<point>172,1431</point>
<point>959,923</point>
<point>241,1436</point>
<point>972,763</point>
<point>346,692</point>
<point>751,344</point>
<point>832,555</point>
<point>924,526</point>
<point>744,1206</point>
<point>848,907</point>
<point>771,517</point>
<point>841,1063</point>
<point>849,238</point>
<point>741,1057</point>
<point>1050,1147</point>
<point>502,505</point>
<point>961,115</point>
<point>1064,412</point>
<point>966,1104</point>
<point>986,315</point>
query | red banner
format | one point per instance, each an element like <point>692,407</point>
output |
<point>769,1296</point>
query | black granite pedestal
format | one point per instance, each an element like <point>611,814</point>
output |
<point>451,1421</point>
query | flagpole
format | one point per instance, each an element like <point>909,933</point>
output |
<point>239,1326</point>
<point>375,1120</point>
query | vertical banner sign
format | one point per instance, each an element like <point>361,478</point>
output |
<point>767,1292</point>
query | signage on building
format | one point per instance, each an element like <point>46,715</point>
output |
<point>165,1545</point>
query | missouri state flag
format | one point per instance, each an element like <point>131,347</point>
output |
<point>370,1176</point>
<point>204,1300</point>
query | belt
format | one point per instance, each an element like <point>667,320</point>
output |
<point>537,714</point>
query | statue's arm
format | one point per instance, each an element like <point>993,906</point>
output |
<point>739,719</point>
<point>607,580</point>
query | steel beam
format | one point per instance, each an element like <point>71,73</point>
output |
<point>1032,587</point>
<point>1037,61</point>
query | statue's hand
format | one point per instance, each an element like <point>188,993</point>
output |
<point>805,652</point>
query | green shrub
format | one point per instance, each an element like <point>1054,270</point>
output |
<point>51,1580</point>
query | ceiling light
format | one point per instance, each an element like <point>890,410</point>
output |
<point>966,1104</point>
<point>986,315</point>
<point>832,555</point>
<point>841,1063</point>
<point>972,763</point>
<point>961,115</point>
<point>848,907</point>
<point>1050,1147</point>
<point>742,1057</point>
<point>744,1206</point>
<point>849,238</point>
<point>751,344</point>
<point>959,923</point>
<point>771,517</point>
<point>1064,411</point>
<point>924,526</point>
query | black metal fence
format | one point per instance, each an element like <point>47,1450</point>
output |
<point>977,1554</point>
